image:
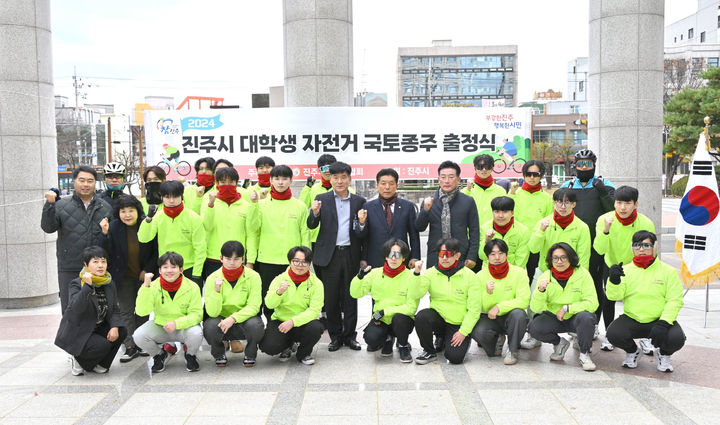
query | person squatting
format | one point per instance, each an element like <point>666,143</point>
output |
<point>256,269</point>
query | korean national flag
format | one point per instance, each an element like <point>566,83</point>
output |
<point>698,226</point>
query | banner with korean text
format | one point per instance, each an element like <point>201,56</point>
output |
<point>411,140</point>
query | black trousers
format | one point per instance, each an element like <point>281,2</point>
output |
<point>429,322</point>
<point>252,329</point>
<point>127,289</point>
<point>307,335</point>
<point>487,331</point>
<point>98,350</point>
<point>623,329</point>
<point>531,265</point>
<point>64,279</point>
<point>340,307</point>
<point>598,271</point>
<point>400,327</point>
<point>188,274</point>
<point>209,268</point>
<point>267,273</point>
<point>545,327</point>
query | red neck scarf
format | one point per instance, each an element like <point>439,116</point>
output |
<point>563,221</point>
<point>227,193</point>
<point>173,212</point>
<point>503,229</point>
<point>392,272</point>
<point>532,189</point>
<point>484,183</point>
<point>627,221</point>
<point>325,183</point>
<point>264,179</point>
<point>643,261</point>
<point>563,275</point>
<point>232,275</point>
<point>280,196</point>
<point>298,278</point>
<point>206,180</point>
<point>455,264</point>
<point>499,271</point>
<point>171,286</point>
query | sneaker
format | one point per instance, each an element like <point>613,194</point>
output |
<point>405,353</point>
<point>221,361</point>
<point>387,349</point>
<point>130,353</point>
<point>663,362</point>
<point>372,349</point>
<point>499,345</point>
<point>439,344</point>
<point>170,349</point>
<point>294,347</point>
<point>100,369</point>
<point>248,362</point>
<point>631,359</point>
<point>159,362</point>
<point>425,358</point>
<point>510,358</point>
<point>646,346</point>
<point>308,360</point>
<point>75,367</point>
<point>236,346</point>
<point>586,362</point>
<point>606,345</point>
<point>560,349</point>
<point>191,363</point>
<point>285,355</point>
<point>142,353</point>
<point>529,343</point>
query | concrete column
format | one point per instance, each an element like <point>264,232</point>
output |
<point>318,52</point>
<point>28,163</point>
<point>625,85</point>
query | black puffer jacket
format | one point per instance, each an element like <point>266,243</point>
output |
<point>77,228</point>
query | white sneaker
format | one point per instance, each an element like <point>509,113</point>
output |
<point>285,355</point>
<point>663,362</point>
<point>499,345</point>
<point>646,346</point>
<point>529,343</point>
<point>606,345</point>
<point>75,367</point>
<point>510,358</point>
<point>99,369</point>
<point>586,362</point>
<point>308,360</point>
<point>560,349</point>
<point>631,359</point>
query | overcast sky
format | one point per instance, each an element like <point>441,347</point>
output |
<point>127,50</point>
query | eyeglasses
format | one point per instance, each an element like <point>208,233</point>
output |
<point>642,245</point>
<point>533,174</point>
<point>563,203</point>
<point>394,254</point>
<point>324,168</point>
<point>585,163</point>
<point>559,259</point>
<point>484,167</point>
<point>445,253</point>
<point>299,263</point>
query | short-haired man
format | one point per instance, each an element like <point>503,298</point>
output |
<point>503,226</point>
<point>153,176</point>
<point>389,217</point>
<point>483,189</point>
<point>263,166</point>
<point>77,221</point>
<point>450,214</point>
<point>205,181</point>
<point>652,297</point>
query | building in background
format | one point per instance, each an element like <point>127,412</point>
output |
<point>696,37</point>
<point>460,76</point>
<point>370,99</point>
<point>277,96</point>
<point>151,103</point>
<point>577,79</point>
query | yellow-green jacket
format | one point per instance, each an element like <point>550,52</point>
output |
<point>532,207</point>
<point>509,293</point>
<point>576,234</point>
<point>616,246</point>
<point>482,198</point>
<point>301,303</point>
<point>232,222</point>
<point>185,308</point>
<point>391,294</point>
<point>516,238</point>
<point>649,294</point>
<point>241,302</point>
<point>195,202</point>
<point>280,225</point>
<point>579,294</point>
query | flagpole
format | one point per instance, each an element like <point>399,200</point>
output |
<point>707,127</point>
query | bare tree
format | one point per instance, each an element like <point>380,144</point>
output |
<point>681,74</point>
<point>544,152</point>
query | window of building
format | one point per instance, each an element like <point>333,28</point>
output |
<point>712,62</point>
<point>702,37</point>
<point>578,137</point>
<point>674,39</point>
<point>581,85</point>
<point>718,21</point>
<point>691,33</point>
<point>681,37</point>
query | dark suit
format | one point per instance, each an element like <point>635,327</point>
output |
<point>463,226</point>
<point>80,335</point>
<point>338,265</point>
<point>403,228</point>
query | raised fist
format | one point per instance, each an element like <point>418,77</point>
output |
<point>363,271</point>
<point>51,196</point>
<point>490,285</point>
<point>253,196</point>
<point>263,193</point>
<point>544,224</point>
<point>148,279</point>
<point>152,209</point>
<point>542,285</point>
<point>418,266</point>
<point>489,234</point>
<point>362,217</point>
<point>283,287</point>
<point>218,284</point>
<point>470,183</point>
<point>428,203</point>
<point>104,226</point>
<point>608,223</point>
<point>514,187</point>
<point>200,191</point>
<point>211,199</point>
<point>315,207</point>
<point>87,278</point>
<point>615,273</point>
<point>310,181</point>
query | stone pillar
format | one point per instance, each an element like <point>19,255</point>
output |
<point>625,84</point>
<point>28,162</point>
<point>318,52</point>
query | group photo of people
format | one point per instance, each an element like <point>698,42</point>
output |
<point>234,269</point>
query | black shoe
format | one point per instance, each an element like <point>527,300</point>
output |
<point>334,345</point>
<point>425,358</point>
<point>405,353</point>
<point>191,363</point>
<point>353,345</point>
<point>372,349</point>
<point>142,353</point>
<point>130,353</point>
<point>159,362</point>
<point>439,344</point>
<point>387,350</point>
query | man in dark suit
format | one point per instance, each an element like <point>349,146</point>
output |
<point>337,253</point>
<point>388,217</point>
<point>450,214</point>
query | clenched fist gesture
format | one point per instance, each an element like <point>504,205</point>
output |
<point>542,285</point>
<point>148,279</point>
<point>428,203</point>
<point>283,287</point>
<point>51,196</point>
<point>362,217</point>
<point>490,285</point>
<point>315,207</point>
<point>218,284</point>
<point>104,226</point>
<point>211,199</point>
<point>544,224</point>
